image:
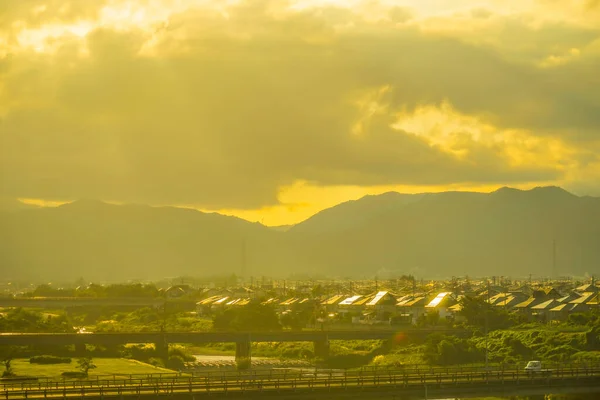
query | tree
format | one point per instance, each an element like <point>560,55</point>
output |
<point>253,317</point>
<point>481,314</point>
<point>8,371</point>
<point>85,364</point>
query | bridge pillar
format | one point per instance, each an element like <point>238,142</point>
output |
<point>162,350</point>
<point>321,348</point>
<point>242,350</point>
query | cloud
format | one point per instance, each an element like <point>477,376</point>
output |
<point>222,108</point>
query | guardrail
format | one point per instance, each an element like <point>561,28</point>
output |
<point>396,382</point>
<point>291,380</point>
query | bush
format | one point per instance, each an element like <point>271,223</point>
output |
<point>182,352</point>
<point>74,374</point>
<point>243,364</point>
<point>175,362</point>
<point>49,360</point>
<point>157,362</point>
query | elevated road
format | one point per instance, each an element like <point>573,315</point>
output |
<point>401,384</point>
<point>19,339</point>
<point>66,302</point>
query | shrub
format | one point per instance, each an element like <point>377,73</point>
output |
<point>182,352</point>
<point>74,374</point>
<point>175,362</point>
<point>49,360</point>
<point>243,364</point>
<point>157,362</point>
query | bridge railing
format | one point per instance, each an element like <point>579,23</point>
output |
<point>404,381</point>
<point>260,375</point>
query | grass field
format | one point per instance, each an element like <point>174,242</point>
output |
<point>105,366</point>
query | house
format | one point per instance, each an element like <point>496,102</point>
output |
<point>455,311</point>
<point>584,298</point>
<point>543,311</point>
<point>331,304</point>
<point>588,288</point>
<point>383,305</point>
<point>510,300</point>
<point>178,291</point>
<point>203,307</point>
<point>441,303</point>
<point>351,306</point>
<point>412,308</point>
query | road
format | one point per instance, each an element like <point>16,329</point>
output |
<point>21,339</point>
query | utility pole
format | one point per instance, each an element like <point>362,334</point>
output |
<point>554,259</point>
<point>243,260</point>
<point>486,323</point>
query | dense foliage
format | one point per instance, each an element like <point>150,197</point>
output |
<point>49,360</point>
<point>22,320</point>
<point>254,317</point>
<point>93,290</point>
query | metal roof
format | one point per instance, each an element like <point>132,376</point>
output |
<point>350,300</point>
<point>377,298</point>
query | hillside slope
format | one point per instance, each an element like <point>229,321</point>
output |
<point>507,232</point>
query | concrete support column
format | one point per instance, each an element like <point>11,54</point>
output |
<point>242,350</point>
<point>321,348</point>
<point>162,350</point>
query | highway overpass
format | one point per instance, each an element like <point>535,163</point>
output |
<point>66,302</point>
<point>242,339</point>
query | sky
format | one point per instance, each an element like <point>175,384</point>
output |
<point>273,110</point>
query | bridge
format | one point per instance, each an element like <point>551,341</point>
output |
<point>243,340</point>
<point>397,383</point>
<point>67,302</point>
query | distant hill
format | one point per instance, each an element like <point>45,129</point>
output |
<point>508,232</point>
<point>102,241</point>
<point>281,228</point>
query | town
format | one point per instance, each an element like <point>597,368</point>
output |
<point>351,304</point>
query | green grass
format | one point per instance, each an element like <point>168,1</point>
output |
<point>105,366</point>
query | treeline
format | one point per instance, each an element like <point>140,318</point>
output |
<point>28,321</point>
<point>137,290</point>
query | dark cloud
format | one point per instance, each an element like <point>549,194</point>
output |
<point>226,111</point>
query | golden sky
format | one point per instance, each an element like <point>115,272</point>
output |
<point>274,110</point>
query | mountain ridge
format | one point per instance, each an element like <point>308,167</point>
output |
<point>505,232</point>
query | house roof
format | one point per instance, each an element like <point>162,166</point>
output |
<point>378,297</point>
<point>221,301</point>
<point>560,307</point>
<point>441,297</point>
<point>289,302</point>
<point>587,288</point>
<point>417,301</point>
<point>497,297</point>
<point>545,305</point>
<point>363,301</point>
<point>507,301</point>
<point>333,300</point>
<point>350,300</point>
<point>584,298</point>
<point>208,300</point>
<point>568,298</point>
<point>530,302</point>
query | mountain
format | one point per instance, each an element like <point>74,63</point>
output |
<point>508,232</point>
<point>352,214</point>
<point>111,242</point>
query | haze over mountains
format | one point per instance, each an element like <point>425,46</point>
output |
<point>507,232</point>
